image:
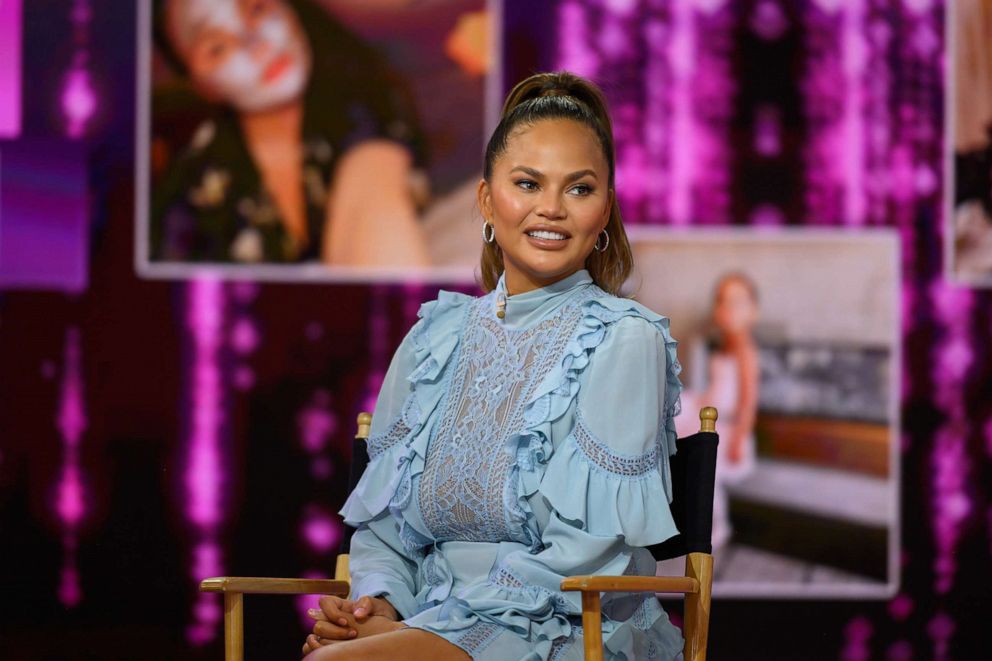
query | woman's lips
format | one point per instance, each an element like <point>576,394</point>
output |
<point>548,243</point>
<point>277,67</point>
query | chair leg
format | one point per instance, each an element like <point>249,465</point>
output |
<point>592,626</point>
<point>234,626</point>
<point>697,606</point>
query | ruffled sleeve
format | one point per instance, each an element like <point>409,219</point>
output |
<point>410,391</point>
<point>610,476</point>
<point>393,418</point>
<point>384,553</point>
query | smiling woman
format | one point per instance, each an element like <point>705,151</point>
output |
<point>548,188</point>
<point>524,435</point>
<point>548,200</point>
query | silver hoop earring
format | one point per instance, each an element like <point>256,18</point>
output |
<point>488,232</point>
<point>605,245</point>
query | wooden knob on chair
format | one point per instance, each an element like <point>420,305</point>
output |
<point>707,419</point>
<point>364,425</point>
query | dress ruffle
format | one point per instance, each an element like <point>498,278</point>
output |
<point>633,506</point>
<point>562,473</point>
<point>387,481</point>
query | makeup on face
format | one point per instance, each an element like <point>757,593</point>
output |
<point>549,199</point>
<point>250,53</point>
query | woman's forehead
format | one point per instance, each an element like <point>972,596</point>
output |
<point>189,17</point>
<point>555,140</point>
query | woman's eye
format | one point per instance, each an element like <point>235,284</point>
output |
<point>582,189</point>
<point>257,7</point>
<point>216,49</point>
<point>526,184</point>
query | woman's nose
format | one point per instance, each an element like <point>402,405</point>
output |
<point>551,206</point>
<point>257,46</point>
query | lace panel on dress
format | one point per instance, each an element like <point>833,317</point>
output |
<point>464,490</point>
<point>478,637</point>
<point>397,430</point>
<point>602,456</point>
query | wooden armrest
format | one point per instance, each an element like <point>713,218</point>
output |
<point>253,585</point>
<point>683,584</point>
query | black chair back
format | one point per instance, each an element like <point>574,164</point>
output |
<point>359,461</point>
<point>693,473</point>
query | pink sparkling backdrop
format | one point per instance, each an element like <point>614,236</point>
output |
<point>671,88</point>
<point>379,345</point>
<point>206,463</point>
<point>79,97</point>
<point>871,89</point>
<point>70,501</point>
<point>10,68</point>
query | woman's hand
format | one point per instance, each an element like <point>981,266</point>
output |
<point>340,620</point>
<point>371,606</point>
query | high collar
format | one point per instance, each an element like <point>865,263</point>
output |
<point>523,310</point>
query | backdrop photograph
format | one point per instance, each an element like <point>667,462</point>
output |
<point>807,479</point>
<point>343,145</point>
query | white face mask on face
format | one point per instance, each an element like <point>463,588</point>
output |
<point>265,63</point>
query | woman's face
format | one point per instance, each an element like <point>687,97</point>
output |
<point>251,54</point>
<point>548,199</point>
<point>734,310</point>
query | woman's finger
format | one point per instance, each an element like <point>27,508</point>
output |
<point>311,644</point>
<point>335,609</point>
<point>363,607</point>
<point>333,631</point>
<point>316,614</point>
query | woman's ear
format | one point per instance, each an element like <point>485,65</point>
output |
<point>485,200</point>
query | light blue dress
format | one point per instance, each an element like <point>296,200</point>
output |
<point>506,454</point>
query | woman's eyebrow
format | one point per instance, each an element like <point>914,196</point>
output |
<point>528,171</point>
<point>578,174</point>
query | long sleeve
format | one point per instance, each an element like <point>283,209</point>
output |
<point>385,550</point>
<point>381,568</point>
<point>379,564</point>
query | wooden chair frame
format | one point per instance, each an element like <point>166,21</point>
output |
<point>234,588</point>
<point>696,585</point>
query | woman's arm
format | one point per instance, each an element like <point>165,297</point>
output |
<point>747,407</point>
<point>371,219</point>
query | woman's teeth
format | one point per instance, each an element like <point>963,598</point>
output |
<point>553,236</point>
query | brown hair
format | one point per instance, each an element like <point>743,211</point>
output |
<point>562,95</point>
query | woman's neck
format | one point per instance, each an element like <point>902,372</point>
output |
<point>273,127</point>
<point>518,282</point>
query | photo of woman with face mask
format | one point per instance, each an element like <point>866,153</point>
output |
<point>307,148</point>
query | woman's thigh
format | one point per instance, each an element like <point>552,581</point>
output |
<point>408,644</point>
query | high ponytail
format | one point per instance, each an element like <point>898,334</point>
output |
<point>561,95</point>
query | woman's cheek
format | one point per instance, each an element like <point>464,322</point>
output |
<point>236,78</point>
<point>275,31</point>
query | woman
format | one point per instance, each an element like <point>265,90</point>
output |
<point>733,388</point>
<point>306,118</point>
<point>524,435</point>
